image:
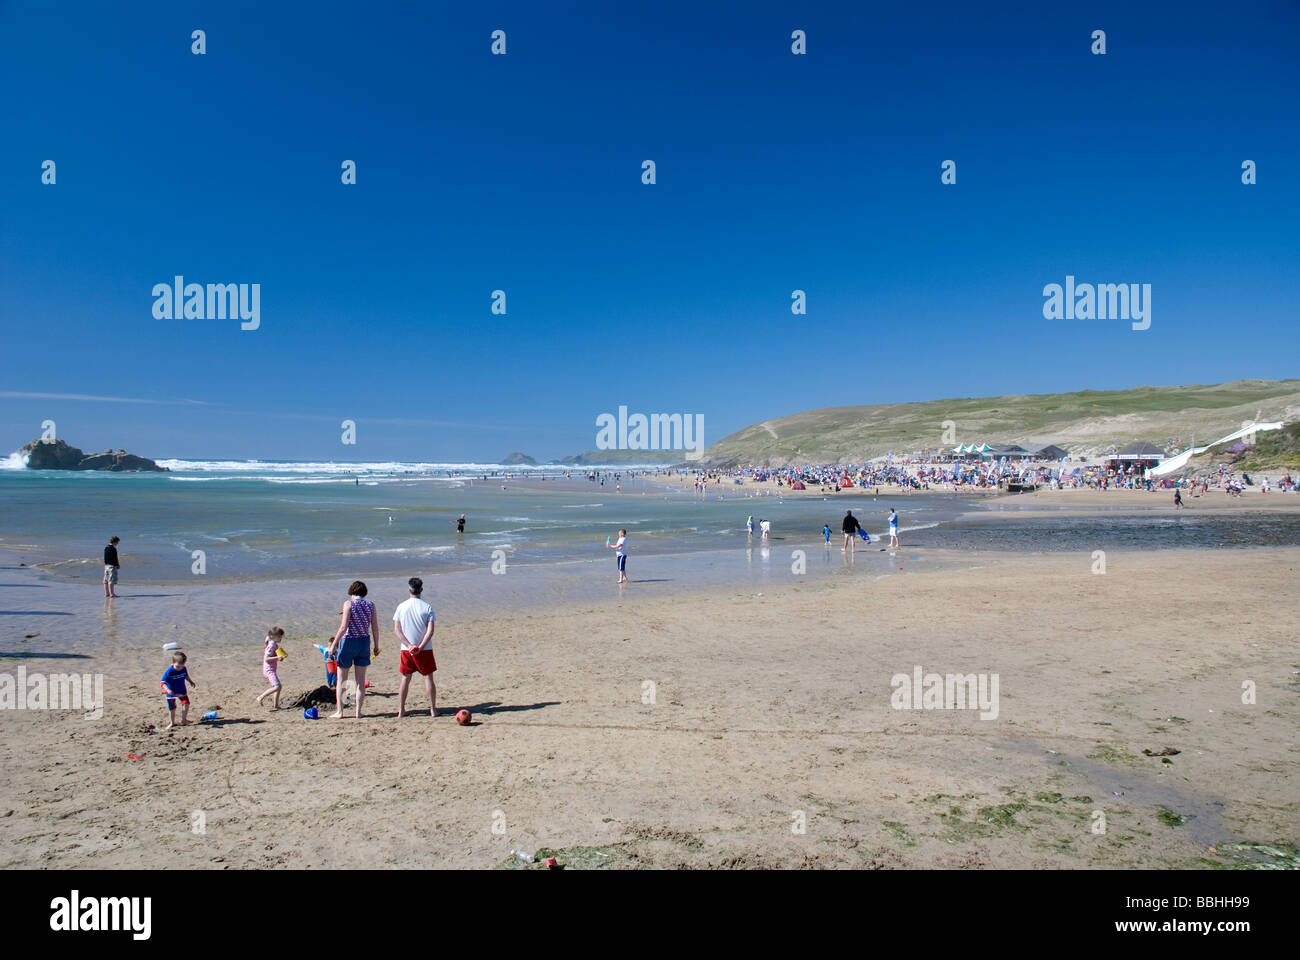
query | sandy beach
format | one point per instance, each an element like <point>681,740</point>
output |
<point>662,728</point>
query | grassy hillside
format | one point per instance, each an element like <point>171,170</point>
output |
<point>1277,449</point>
<point>1085,423</point>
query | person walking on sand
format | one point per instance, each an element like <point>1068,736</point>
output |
<point>270,662</point>
<point>174,679</point>
<point>893,528</point>
<point>413,624</point>
<point>111,567</point>
<point>358,629</point>
<point>620,552</point>
<point>1178,499</point>
<point>850,530</point>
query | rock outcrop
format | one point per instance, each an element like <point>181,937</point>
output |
<point>58,455</point>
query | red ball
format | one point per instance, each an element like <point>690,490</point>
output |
<point>463,717</point>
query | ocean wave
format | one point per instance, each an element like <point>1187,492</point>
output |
<point>346,468</point>
<point>15,461</point>
<point>366,553</point>
<point>378,550</point>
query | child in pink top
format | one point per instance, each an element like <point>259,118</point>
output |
<point>270,660</point>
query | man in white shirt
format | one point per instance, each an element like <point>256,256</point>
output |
<point>413,626</point>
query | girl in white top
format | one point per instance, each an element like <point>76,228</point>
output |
<point>620,552</point>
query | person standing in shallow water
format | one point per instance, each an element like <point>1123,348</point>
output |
<point>460,524</point>
<point>620,552</point>
<point>850,530</point>
<point>111,567</point>
<point>358,631</point>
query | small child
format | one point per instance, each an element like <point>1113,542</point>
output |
<point>270,660</point>
<point>620,552</point>
<point>331,666</point>
<point>173,683</point>
<point>826,532</point>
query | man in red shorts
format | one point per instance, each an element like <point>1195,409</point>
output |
<point>413,627</point>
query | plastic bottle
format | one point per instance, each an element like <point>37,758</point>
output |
<point>525,857</point>
<point>210,715</point>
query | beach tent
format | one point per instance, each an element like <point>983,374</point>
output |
<point>797,485</point>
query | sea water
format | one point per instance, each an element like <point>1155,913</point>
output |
<point>233,521</point>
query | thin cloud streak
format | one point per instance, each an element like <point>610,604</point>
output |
<point>22,395</point>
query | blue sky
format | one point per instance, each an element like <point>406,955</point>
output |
<point>523,173</point>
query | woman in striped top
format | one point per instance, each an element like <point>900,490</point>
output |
<point>357,632</point>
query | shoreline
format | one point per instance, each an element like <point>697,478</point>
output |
<point>971,505</point>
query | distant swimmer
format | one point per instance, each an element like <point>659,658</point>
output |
<point>460,524</point>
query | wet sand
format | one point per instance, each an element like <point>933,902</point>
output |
<point>769,709</point>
